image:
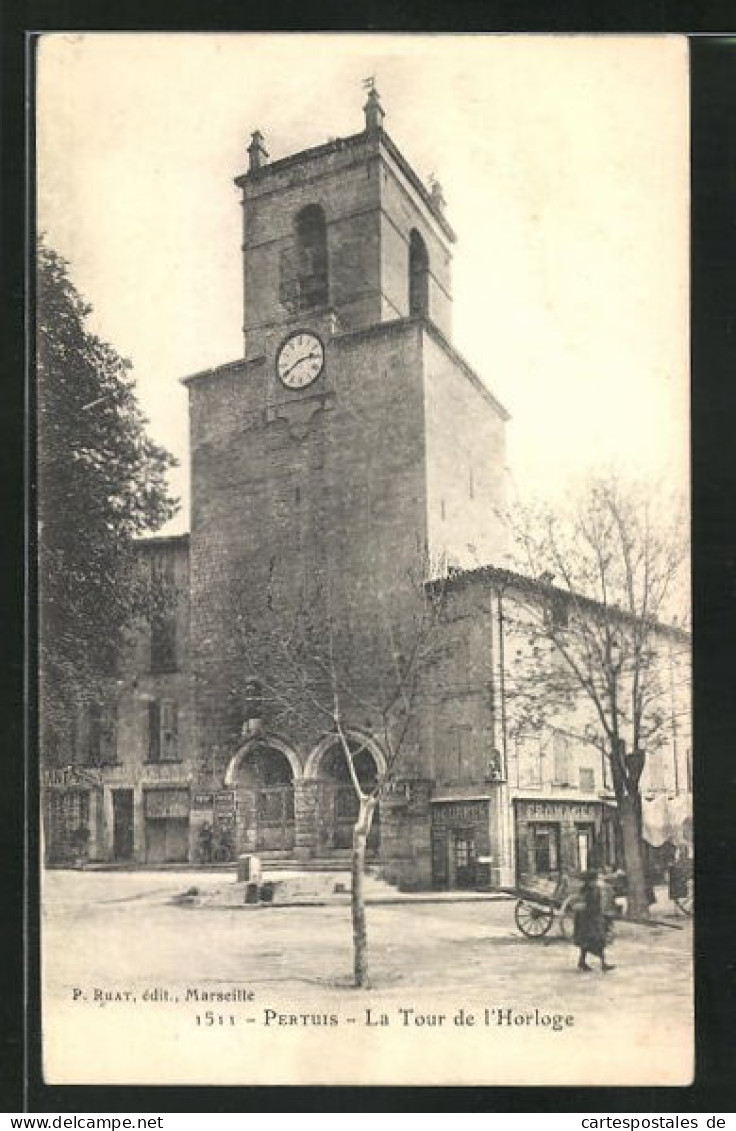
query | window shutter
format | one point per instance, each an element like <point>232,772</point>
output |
<point>109,743</point>
<point>94,733</point>
<point>168,729</point>
<point>561,755</point>
<point>154,731</point>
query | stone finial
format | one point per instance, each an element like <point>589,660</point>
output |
<point>436,194</point>
<point>373,110</point>
<point>257,152</point>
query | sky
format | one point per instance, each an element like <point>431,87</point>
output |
<point>563,160</point>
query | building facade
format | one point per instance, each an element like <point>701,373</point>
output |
<point>348,450</point>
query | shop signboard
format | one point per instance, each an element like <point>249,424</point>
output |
<point>167,804</point>
<point>446,814</point>
<point>202,800</point>
<point>224,813</point>
<point>558,810</point>
<point>66,776</point>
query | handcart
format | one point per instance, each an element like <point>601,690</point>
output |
<point>540,900</point>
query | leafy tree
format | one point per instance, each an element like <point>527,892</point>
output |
<point>602,576</point>
<point>101,483</point>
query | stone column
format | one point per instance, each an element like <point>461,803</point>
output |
<point>306,818</point>
<point>246,830</point>
<point>406,858</point>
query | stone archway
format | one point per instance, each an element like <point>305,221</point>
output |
<point>338,805</point>
<point>262,774</point>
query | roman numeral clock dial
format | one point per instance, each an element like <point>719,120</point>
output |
<point>300,360</point>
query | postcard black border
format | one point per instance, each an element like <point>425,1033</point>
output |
<point>713,115</point>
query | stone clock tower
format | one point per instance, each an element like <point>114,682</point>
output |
<point>351,442</point>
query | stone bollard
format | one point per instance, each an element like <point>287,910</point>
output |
<point>249,869</point>
<point>251,893</point>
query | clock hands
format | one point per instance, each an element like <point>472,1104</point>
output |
<point>299,361</point>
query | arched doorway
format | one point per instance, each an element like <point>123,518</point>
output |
<point>262,774</point>
<point>338,803</point>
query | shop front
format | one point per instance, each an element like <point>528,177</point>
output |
<point>460,843</point>
<point>556,837</point>
<point>72,812</point>
<point>166,813</point>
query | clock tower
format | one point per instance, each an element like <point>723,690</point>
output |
<point>352,443</point>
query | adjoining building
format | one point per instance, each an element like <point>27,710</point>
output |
<point>350,443</point>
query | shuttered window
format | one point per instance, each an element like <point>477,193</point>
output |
<point>101,734</point>
<point>163,731</point>
<point>561,759</point>
<point>169,736</point>
<point>154,731</point>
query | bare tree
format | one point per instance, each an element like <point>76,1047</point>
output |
<point>303,661</point>
<point>600,580</point>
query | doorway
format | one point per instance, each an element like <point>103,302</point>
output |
<point>122,824</point>
<point>463,859</point>
<point>545,849</point>
<point>585,841</point>
<point>167,841</point>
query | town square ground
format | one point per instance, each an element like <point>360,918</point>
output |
<point>142,986</point>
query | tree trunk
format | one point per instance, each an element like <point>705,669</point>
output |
<point>637,901</point>
<point>357,897</point>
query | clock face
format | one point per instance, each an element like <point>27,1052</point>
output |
<point>300,360</point>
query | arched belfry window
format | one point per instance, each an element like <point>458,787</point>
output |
<point>418,275</point>
<point>311,236</point>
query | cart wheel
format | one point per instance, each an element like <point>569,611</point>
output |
<point>533,919</point>
<point>686,903</point>
<point>567,918</point>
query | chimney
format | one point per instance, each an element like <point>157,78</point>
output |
<point>373,111</point>
<point>257,153</point>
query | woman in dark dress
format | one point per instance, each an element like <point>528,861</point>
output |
<point>592,928</point>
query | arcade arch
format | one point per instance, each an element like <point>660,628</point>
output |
<point>263,773</point>
<point>339,805</point>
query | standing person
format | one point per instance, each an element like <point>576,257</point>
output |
<point>680,872</point>
<point>592,921</point>
<point>205,843</point>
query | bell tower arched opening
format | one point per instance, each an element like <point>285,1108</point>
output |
<point>312,273</point>
<point>418,275</point>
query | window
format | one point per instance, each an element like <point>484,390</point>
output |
<point>545,848</point>
<point>418,275</point>
<point>69,809</point>
<point>169,737</point>
<point>311,235</point>
<point>163,619</point>
<point>163,738</point>
<point>101,734</point>
<point>529,761</point>
<point>587,779</point>
<point>163,642</point>
<point>557,613</point>
<point>561,759</point>
<point>463,850</point>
